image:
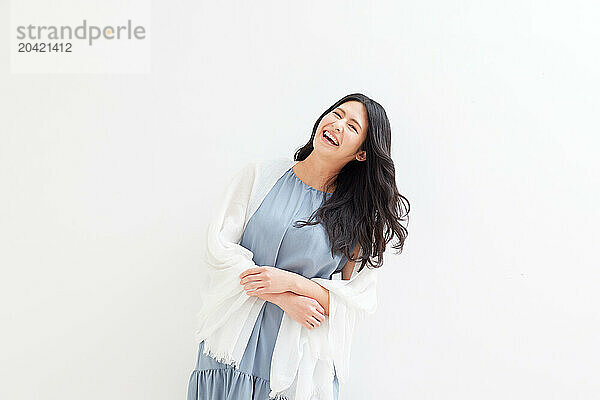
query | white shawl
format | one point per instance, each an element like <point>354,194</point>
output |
<point>303,359</point>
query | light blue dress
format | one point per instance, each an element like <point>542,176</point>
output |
<point>269,234</point>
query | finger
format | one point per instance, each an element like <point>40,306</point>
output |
<point>254,285</point>
<point>315,321</point>
<point>250,271</point>
<point>258,290</point>
<point>319,316</point>
<point>251,278</point>
<point>247,272</point>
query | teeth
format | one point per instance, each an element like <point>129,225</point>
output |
<point>331,137</point>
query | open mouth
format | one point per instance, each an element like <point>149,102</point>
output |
<point>329,138</point>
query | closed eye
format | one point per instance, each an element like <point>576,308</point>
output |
<point>352,126</point>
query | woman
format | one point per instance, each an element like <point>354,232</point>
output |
<point>335,204</point>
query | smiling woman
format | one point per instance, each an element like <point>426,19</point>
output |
<point>361,171</point>
<point>275,323</point>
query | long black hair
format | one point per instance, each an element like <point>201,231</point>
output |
<point>366,207</point>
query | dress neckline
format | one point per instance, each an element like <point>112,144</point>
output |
<point>306,185</point>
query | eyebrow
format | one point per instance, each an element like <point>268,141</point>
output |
<point>351,119</point>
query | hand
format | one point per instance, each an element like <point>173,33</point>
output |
<point>265,279</point>
<point>305,310</point>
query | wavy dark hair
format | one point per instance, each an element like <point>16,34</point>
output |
<point>366,207</point>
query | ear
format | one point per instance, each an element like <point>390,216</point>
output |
<point>361,155</point>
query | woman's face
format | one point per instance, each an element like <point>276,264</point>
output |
<point>347,124</point>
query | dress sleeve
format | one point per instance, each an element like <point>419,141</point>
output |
<point>224,321</point>
<point>349,302</point>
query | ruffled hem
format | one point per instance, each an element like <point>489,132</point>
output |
<point>212,379</point>
<point>226,384</point>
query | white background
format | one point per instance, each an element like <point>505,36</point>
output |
<point>107,183</point>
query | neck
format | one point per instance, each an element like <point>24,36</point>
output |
<point>315,171</point>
